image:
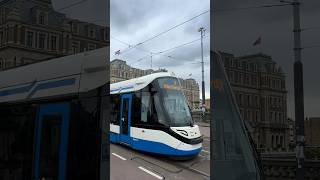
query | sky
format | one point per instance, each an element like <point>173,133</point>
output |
<point>133,22</point>
<point>235,31</point>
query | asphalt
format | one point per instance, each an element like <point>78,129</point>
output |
<point>129,164</point>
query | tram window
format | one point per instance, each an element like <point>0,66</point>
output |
<point>16,141</point>
<point>136,107</point>
<point>145,106</point>
<point>160,113</point>
<point>115,109</point>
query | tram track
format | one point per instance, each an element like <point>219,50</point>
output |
<point>179,165</point>
<point>167,168</point>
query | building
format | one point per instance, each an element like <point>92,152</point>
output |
<point>31,31</point>
<point>312,133</point>
<point>258,84</point>
<point>121,71</point>
<point>291,133</point>
<point>207,104</point>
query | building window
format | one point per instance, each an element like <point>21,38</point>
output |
<point>2,15</point>
<point>75,28</point>
<point>2,63</point>
<point>30,39</point>
<point>106,34</point>
<point>75,47</point>
<point>53,43</point>
<point>42,41</point>
<point>92,46</point>
<point>92,33</point>
<point>231,76</point>
<point>240,99</point>
<point>42,18</point>
<point>1,37</point>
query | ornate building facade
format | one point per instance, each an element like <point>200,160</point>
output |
<point>31,31</point>
<point>258,84</point>
<point>121,71</point>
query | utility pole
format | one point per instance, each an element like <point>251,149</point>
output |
<point>151,59</point>
<point>298,93</point>
<point>202,30</point>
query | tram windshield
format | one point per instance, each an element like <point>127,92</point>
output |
<point>174,102</point>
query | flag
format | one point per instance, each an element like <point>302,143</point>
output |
<point>117,52</point>
<point>257,42</point>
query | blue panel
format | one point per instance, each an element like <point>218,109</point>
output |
<point>125,138</point>
<point>54,84</point>
<point>45,85</point>
<point>114,137</point>
<point>160,148</point>
<point>62,109</point>
<point>16,90</point>
<point>154,147</point>
<point>122,88</point>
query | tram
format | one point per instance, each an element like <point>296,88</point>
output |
<point>151,114</point>
<point>52,119</point>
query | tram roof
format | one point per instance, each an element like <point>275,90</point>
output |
<point>136,84</point>
<point>60,76</point>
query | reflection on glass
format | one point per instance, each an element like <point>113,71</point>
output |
<point>234,151</point>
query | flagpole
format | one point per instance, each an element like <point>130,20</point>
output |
<point>258,42</point>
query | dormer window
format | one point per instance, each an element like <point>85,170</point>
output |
<point>42,18</point>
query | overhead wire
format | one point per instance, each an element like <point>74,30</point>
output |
<point>155,53</point>
<point>163,32</point>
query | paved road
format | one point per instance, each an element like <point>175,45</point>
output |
<point>128,164</point>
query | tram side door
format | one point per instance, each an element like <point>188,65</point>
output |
<point>51,141</point>
<point>125,118</point>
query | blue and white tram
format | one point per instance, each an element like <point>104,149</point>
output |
<point>151,114</point>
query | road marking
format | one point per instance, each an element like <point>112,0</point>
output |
<point>119,156</point>
<point>205,151</point>
<point>151,173</point>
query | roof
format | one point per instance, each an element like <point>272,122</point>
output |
<point>136,83</point>
<point>66,75</point>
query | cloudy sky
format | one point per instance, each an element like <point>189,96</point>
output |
<point>235,31</point>
<point>133,22</point>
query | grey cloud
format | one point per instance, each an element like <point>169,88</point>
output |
<point>235,32</point>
